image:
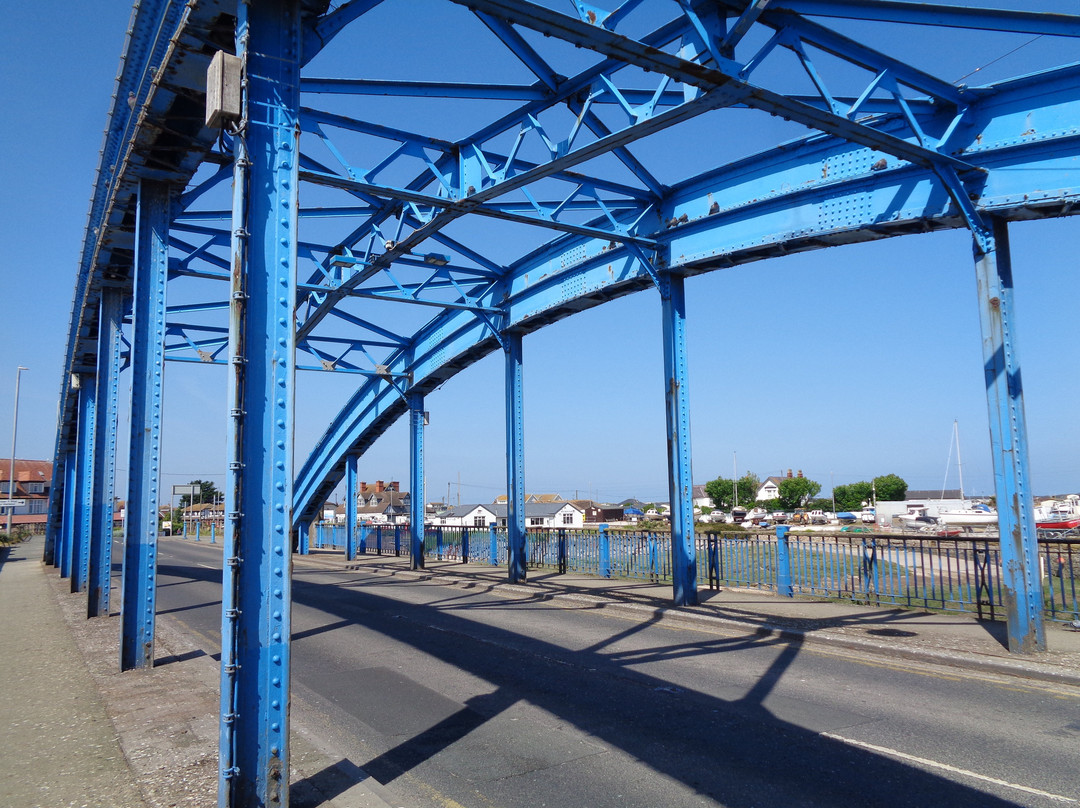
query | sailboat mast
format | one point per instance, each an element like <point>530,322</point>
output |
<point>959,465</point>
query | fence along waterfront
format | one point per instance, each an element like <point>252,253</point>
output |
<point>960,573</point>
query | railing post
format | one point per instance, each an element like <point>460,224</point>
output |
<point>784,587</point>
<point>198,529</point>
<point>378,540</point>
<point>494,556</point>
<point>714,561</point>
<point>438,543</point>
<point>303,540</point>
<point>562,551</point>
<point>869,563</point>
<point>397,541</point>
<point>605,552</point>
<point>213,532</point>
<point>363,538</point>
<point>464,545</point>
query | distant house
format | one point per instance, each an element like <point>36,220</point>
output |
<point>33,480</point>
<point>769,489</point>
<point>599,514</point>
<point>537,515</point>
<point>385,508</point>
<point>467,516</point>
<point>501,499</point>
<point>700,498</point>
<point>203,514</point>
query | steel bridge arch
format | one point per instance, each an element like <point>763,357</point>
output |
<point>814,193</point>
<point>899,150</point>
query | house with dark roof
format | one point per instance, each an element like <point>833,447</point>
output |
<point>537,515</point>
<point>33,479</point>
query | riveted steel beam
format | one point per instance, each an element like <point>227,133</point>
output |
<point>144,446</point>
<point>350,506</point>
<point>84,489</point>
<point>708,79</point>
<point>256,581</point>
<point>1020,576</point>
<point>416,480</point>
<point>515,457</point>
<point>108,398</point>
<point>677,409</point>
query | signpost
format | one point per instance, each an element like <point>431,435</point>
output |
<point>12,503</point>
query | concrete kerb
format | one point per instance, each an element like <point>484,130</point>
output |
<point>644,608</point>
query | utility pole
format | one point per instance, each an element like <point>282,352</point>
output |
<point>11,467</point>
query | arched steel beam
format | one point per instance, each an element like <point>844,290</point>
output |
<point>813,193</point>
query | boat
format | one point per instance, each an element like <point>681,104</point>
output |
<point>973,516</point>
<point>969,515</point>
<point>1063,522</point>
<point>846,517</point>
<point>915,518</point>
<point>1054,515</point>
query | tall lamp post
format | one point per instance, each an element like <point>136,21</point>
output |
<point>14,431</point>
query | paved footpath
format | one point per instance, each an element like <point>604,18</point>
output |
<point>77,733</point>
<point>59,747</point>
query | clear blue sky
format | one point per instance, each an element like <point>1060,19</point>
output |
<point>845,363</point>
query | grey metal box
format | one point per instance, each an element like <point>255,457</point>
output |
<point>222,89</point>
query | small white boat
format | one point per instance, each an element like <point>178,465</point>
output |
<point>915,518</point>
<point>972,516</point>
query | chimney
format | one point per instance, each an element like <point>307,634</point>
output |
<point>363,488</point>
<point>800,474</point>
<point>394,485</point>
<point>379,487</point>
<point>789,473</point>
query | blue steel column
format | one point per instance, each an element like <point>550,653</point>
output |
<point>139,578</point>
<point>256,581</point>
<point>416,480</point>
<point>350,506</point>
<point>84,483</point>
<point>515,460</point>
<point>108,397</point>
<point>67,534</point>
<point>680,478</point>
<point>1021,582</point>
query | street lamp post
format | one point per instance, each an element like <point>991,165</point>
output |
<point>14,432</point>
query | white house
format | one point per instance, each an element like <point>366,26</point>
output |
<point>769,489</point>
<point>467,516</point>
<point>537,515</point>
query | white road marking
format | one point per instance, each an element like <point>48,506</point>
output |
<point>945,767</point>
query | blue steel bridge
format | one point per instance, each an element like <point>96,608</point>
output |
<point>270,200</point>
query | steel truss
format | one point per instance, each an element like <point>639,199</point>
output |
<point>347,245</point>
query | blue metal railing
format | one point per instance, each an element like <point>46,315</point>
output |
<point>953,574</point>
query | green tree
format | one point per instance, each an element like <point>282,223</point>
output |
<point>721,493</point>
<point>890,488</point>
<point>209,492</point>
<point>795,491</point>
<point>851,497</point>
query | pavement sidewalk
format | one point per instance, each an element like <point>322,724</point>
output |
<point>958,640</point>
<point>75,732</point>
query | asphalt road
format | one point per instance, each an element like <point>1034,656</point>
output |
<point>457,697</point>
